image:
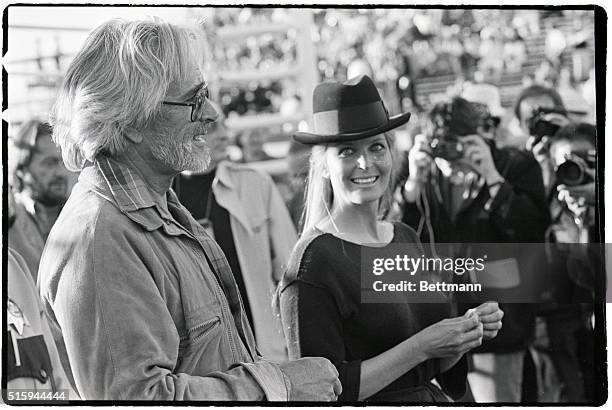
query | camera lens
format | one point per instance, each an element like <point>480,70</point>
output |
<point>570,173</point>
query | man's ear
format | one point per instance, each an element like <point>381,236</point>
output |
<point>133,136</point>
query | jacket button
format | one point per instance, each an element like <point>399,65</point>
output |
<point>43,374</point>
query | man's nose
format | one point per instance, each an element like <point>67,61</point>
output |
<point>210,113</point>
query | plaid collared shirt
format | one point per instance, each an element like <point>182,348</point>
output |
<point>133,195</point>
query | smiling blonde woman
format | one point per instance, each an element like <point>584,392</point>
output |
<point>383,352</point>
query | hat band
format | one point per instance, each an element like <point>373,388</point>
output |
<point>350,119</point>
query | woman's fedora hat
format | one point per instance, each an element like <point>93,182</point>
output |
<point>348,111</point>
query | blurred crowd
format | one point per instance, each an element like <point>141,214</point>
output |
<point>407,50</point>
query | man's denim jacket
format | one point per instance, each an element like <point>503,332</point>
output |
<point>143,302</point>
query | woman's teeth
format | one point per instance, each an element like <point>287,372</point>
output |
<point>364,181</point>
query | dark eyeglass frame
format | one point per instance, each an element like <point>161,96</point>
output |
<point>196,104</point>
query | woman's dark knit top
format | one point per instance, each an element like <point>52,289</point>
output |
<point>322,315</point>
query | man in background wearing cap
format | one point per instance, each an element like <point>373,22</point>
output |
<point>530,99</point>
<point>41,184</point>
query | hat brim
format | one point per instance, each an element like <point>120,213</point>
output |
<point>317,139</point>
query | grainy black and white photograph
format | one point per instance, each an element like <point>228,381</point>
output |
<point>350,204</point>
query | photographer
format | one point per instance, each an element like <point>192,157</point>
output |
<point>462,188</point>
<point>573,266</point>
<point>565,152</point>
<point>573,159</point>
<point>540,112</point>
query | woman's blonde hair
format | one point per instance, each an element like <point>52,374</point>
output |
<point>319,194</point>
<point>116,84</point>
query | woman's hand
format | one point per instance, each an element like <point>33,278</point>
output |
<point>490,315</point>
<point>447,340</point>
<point>451,337</point>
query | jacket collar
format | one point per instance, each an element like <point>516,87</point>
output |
<point>223,174</point>
<point>123,186</point>
<point>226,194</point>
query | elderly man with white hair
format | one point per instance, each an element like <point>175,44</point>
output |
<point>141,299</point>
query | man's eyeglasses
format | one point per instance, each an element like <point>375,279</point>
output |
<point>196,103</point>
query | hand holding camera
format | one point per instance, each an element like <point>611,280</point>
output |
<point>581,195</point>
<point>470,149</point>
<point>543,124</point>
<point>539,148</point>
<point>419,163</point>
<point>419,158</point>
<point>576,178</point>
<point>477,154</point>
<point>578,198</point>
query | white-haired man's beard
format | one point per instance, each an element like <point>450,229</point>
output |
<point>177,151</point>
